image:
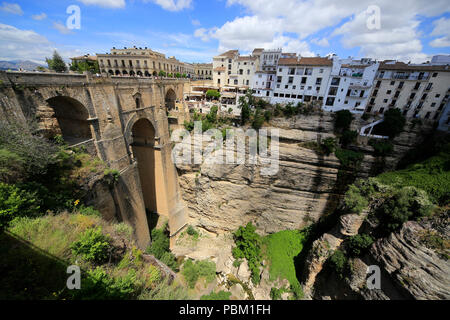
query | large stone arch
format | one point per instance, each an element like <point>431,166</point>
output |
<point>169,98</point>
<point>142,145</point>
<point>66,116</point>
<point>130,123</point>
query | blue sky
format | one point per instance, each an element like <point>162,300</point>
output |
<point>196,30</point>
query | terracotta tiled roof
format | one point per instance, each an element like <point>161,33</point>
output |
<point>288,61</point>
<point>403,66</point>
<point>230,53</point>
<point>316,61</point>
<point>246,58</point>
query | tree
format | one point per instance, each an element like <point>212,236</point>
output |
<point>393,123</point>
<point>258,119</point>
<point>358,244</point>
<point>343,120</point>
<point>91,66</point>
<point>56,63</point>
<point>348,137</point>
<point>210,94</point>
<point>328,146</point>
<point>245,104</point>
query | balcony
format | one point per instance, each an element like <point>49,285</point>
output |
<point>401,76</point>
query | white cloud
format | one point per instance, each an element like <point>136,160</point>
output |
<point>172,5</point>
<point>18,44</point>
<point>441,28</point>
<point>321,42</point>
<point>398,37</point>
<point>195,22</point>
<point>105,3</point>
<point>13,8</point>
<point>62,28</point>
<point>38,17</point>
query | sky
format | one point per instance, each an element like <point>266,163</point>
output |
<point>197,30</point>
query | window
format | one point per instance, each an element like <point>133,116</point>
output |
<point>304,80</point>
<point>281,95</point>
<point>279,79</point>
<point>288,95</point>
<point>286,87</point>
<point>275,94</point>
<point>308,71</point>
<point>330,101</point>
<point>333,91</point>
<point>319,81</point>
<point>435,75</point>
<point>392,83</point>
<point>389,92</point>
<point>433,105</point>
<point>321,71</point>
<point>291,80</point>
<point>385,100</point>
<point>294,87</point>
<point>281,70</point>
<point>335,81</point>
<point>438,95</point>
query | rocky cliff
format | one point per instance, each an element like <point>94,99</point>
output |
<point>220,198</point>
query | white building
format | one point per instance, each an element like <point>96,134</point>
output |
<point>350,85</point>
<point>298,80</point>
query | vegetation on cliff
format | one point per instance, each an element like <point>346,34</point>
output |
<point>45,226</point>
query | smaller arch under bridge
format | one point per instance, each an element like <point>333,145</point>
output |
<point>121,120</point>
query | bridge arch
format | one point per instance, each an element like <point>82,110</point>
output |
<point>72,119</point>
<point>170,99</point>
<point>142,145</point>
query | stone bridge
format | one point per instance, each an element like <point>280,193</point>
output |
<point>121,120</point>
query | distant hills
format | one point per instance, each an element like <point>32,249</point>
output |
<point>17,64</point>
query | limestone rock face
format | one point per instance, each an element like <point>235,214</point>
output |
<point>420,271</point>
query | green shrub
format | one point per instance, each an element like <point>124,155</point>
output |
<point>192,271</point>
<point>275,293</point>
<point>11,166</point>
<point>328,145</point>
<point>160,243</point>
<point>98,285</point>
<point>124,229</point>
<point>348,137</point>
<point>88,211</point>
<point>258,119</point>
<point>354,201</point>
<point>153,276</point>
<point>248,246</point>
<point>408,203</point>
<point>15,202</point>
<point>432,175</point>
<point>358,244</point>
<point>381,148</point>
<point>338,262</point>
<point>343,120</point>
<point>192,232</point>
<point>169,259</point>
<point>92,246</point>
<point>393,123</point>
<point>221,295</point>
<point>348,158</point>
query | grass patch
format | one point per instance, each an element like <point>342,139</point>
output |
<point>432,176</point>
<point>280,249</point>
